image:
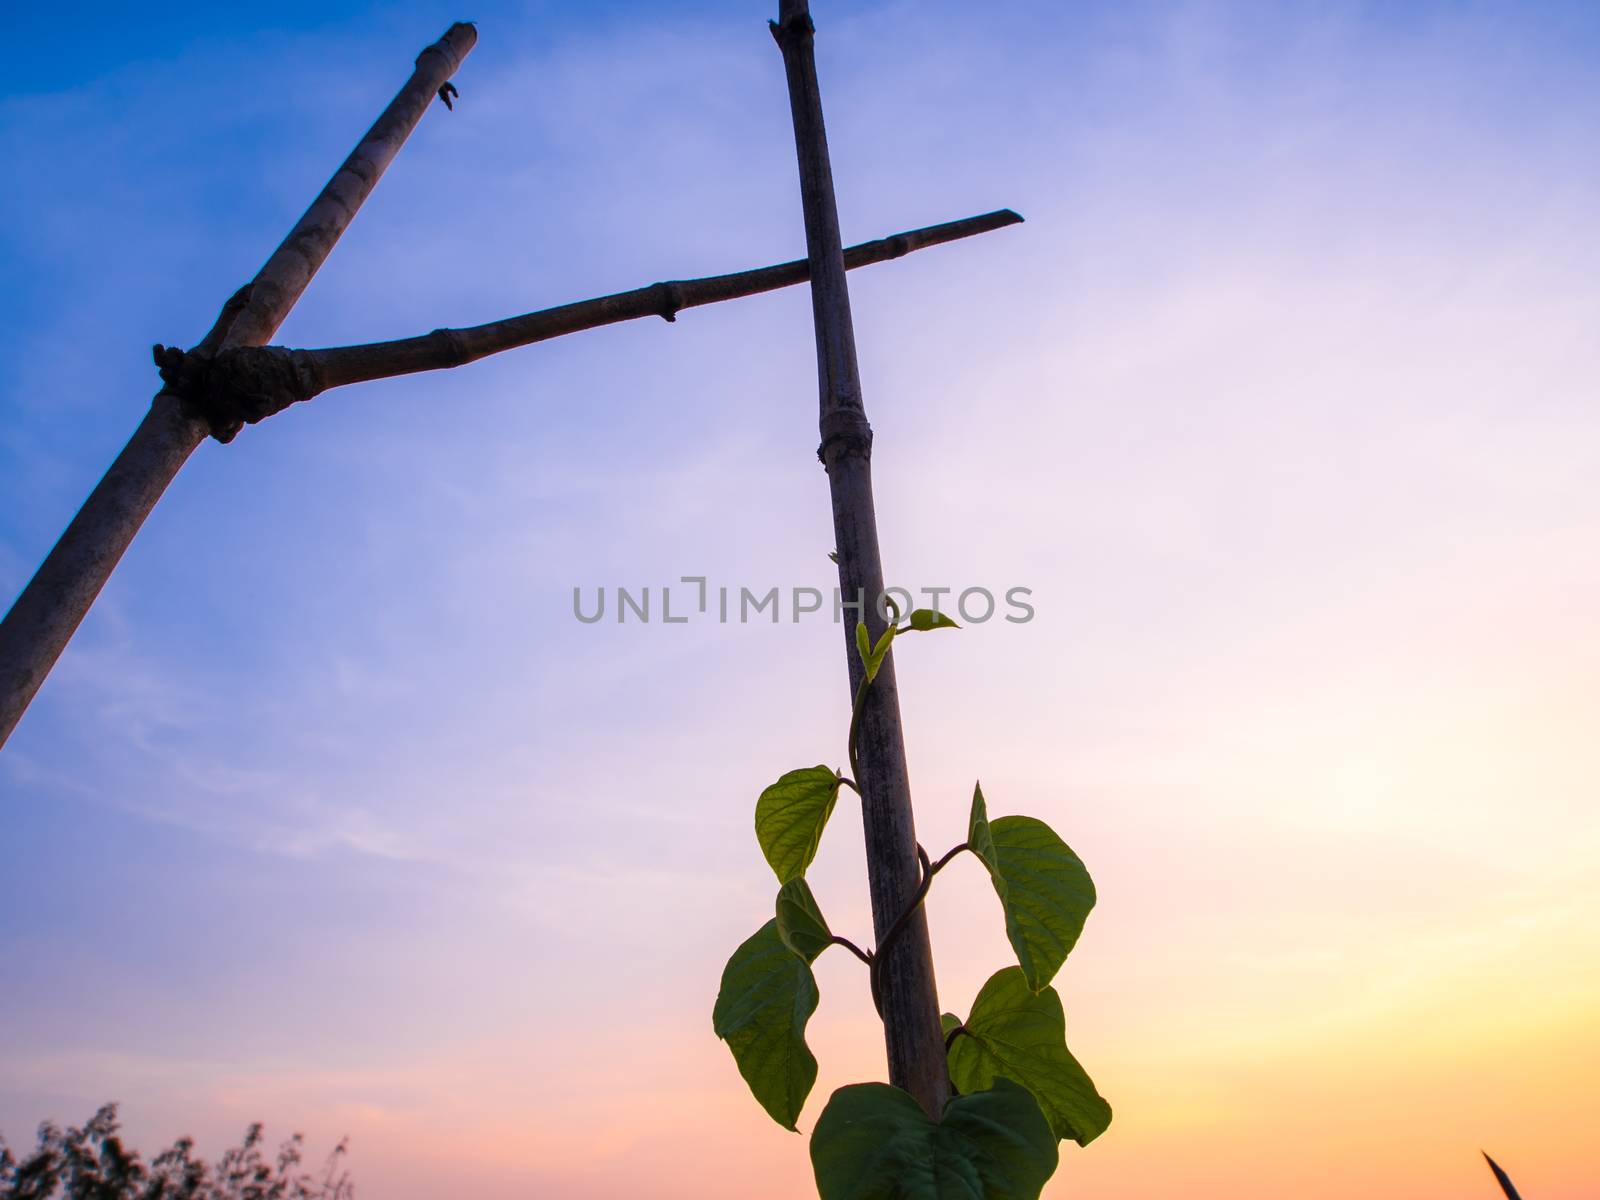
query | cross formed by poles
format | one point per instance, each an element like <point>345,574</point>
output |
<point>232,378</point>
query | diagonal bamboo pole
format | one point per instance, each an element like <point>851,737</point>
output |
<point>248,384</point>
<point>45,616</point>
<point>909,1001</point>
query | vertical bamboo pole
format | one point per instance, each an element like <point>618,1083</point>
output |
<point>909,1000</point>
<point>50,608</point>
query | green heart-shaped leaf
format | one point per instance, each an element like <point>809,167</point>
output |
<point>1043,886</point>
<point>1014,1033</point>
<point>874,1142</point>
<point>801,924</point>
<point>790,818</point>
<point>924,619</point>
<point>768,994</point>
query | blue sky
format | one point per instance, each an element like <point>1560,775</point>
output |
<point>1282,402</point>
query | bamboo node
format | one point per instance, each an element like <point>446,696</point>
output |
<point>791,28</point>
<point>669,299</point>
<point>845,432</point>
<point>456,351</point>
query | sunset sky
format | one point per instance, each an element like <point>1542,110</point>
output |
<point>1283,403</point>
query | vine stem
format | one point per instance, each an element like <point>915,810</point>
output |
<point>943,862</point>
<point>916,902</point>
<point>855,728</point>
<point>864,955</point>
<point>929,870</point>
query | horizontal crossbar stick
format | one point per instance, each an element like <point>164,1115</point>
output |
<point>251,383</point>
<point>453,347</point>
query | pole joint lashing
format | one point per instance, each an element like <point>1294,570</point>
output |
<point>238,386</point>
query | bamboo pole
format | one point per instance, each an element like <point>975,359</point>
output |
<point>51,606</point>
<point>909,1000</point>
<point>252,383</point>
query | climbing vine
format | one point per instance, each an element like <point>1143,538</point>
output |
<point>1016,1089</point>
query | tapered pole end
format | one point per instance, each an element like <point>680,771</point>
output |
<point>455,43</point>
<point>1501,1177</point>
